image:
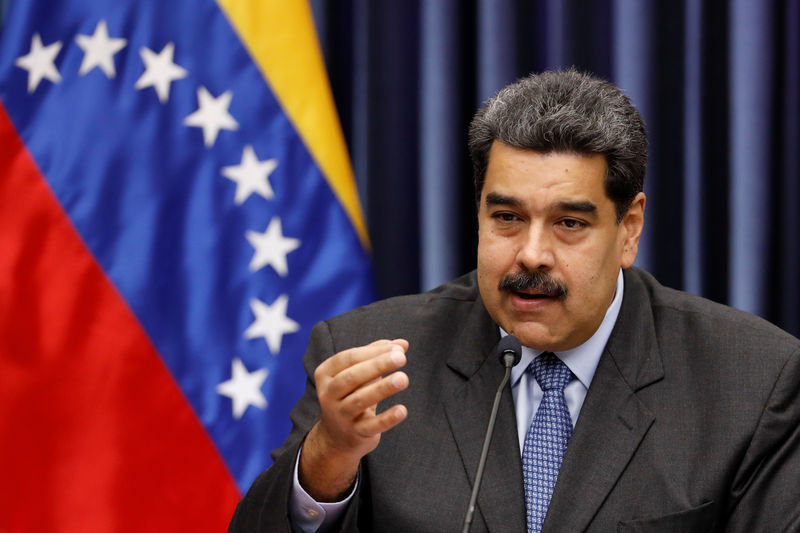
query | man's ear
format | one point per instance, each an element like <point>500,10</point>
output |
<point>631,230</point>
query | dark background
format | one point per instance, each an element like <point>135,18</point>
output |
<point>718,84</point>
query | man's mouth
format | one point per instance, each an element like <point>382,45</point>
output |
<point>531,295</point>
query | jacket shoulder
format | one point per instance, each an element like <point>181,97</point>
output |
<point>702,318</point>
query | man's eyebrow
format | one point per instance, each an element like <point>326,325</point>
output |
<point>579,207</point>
<point>494,198</point>
<point>587,207</point>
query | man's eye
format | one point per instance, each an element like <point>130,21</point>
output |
<point>571,223</point>
<point>505,217</point>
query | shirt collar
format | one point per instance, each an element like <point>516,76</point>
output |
<point>581,360</point>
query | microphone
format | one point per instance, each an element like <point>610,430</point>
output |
<point>509,350</point>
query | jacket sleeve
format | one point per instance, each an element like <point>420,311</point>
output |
<point>766,492</point>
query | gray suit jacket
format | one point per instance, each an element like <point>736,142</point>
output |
<point>692,423</point>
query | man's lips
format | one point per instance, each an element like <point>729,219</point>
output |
<point>529,301</point>
<point>531,294</point>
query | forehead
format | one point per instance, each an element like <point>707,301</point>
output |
<point>538,176</point>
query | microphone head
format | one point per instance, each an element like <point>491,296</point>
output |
<point>509,350</point>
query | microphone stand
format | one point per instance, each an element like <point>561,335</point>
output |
<point>509,360</point>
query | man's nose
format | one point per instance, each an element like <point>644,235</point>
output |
<point>536,249</point>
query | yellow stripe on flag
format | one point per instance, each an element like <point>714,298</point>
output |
<point>280,36</point>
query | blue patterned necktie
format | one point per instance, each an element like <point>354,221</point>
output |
<point>547,437</point>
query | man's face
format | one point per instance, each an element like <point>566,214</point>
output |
<point>545,219</point>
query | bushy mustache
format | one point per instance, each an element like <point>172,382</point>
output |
<point>539,280</point>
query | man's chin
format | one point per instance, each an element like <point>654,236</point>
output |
<point>534,336</point>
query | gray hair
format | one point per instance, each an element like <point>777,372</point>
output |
<point>565,111</point>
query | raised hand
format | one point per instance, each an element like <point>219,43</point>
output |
<point>349,386</point>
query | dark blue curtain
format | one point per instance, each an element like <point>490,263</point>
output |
<point>718,83</point>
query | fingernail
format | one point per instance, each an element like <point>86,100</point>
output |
<point>397,381</point>
<point>397,355</point>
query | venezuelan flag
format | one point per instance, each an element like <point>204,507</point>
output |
<point>177,210</point>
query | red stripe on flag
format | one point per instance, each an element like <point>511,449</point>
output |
<point>95,434</point>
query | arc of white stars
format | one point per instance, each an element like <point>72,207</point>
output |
<point>244,388</point>
<point>271,247</point>
<point>40,62</point>
<point>271,322</point>
<point>160,71</point>
<point>212,115</point>
<point>98,50</point>
<point>251,176</point>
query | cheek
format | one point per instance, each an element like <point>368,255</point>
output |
<point>494,254</point>
<point>484,263</point>
<point>584,270</point>
<point>595,280</point>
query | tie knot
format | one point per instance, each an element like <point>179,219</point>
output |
<point>550,372</point>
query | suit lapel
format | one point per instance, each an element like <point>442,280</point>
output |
<point>613,420</point>
<point>501,498</point>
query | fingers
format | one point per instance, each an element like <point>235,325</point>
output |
<point>350,384</point>
<point>368,395</point>
<point>347,358</point>
<point>351,370</point>
<point>371,426</point>
<point>402,343</point>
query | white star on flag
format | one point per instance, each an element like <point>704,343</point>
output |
<point>271,247</point>
<point>160,71</point>
<point>271,322</point>
<point>251,175</point>
<point>244,388</point>
<point>99,50</point>
<point>212,115</point>
<point>40,62</point>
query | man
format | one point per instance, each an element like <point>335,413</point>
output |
<point>680,414</point>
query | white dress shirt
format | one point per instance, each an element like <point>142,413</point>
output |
<point>309,516</point>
